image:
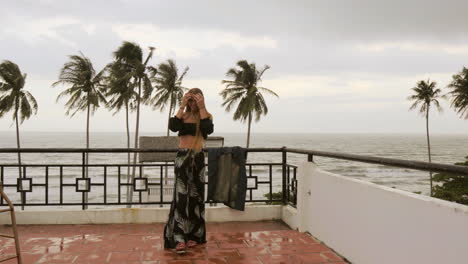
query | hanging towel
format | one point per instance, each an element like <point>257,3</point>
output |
<point>227,179</point>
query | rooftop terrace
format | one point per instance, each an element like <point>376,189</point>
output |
<point>351,221</point>
<point>260,242</point>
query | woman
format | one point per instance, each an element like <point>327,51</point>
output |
<point>185,226</point>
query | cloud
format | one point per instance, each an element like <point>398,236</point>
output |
<point>90,29</point>
<point>334,88</point>
<point>46,29</point>
<point>345,67</point>
<point>332,85</point>
<point>189,43</point>
<point>413,47</point>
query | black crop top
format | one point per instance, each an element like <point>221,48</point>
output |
<point>176,124</point>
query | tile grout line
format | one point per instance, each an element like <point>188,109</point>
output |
<point>331,249</point>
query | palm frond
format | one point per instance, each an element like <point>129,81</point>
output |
<point>425,92</point>
<point>25,108</point>
<point>260,73</point>
<point>11,75</point>
<point>459,93</point>
<point>232,100</point>
<point>168,83</point>
<point>14,96</point>
<point>262,104</point>
<point>129,53</point>
<point>7,103</point>
<point>268,91</point>
<point>147,88</point>
<point>87,86</point>
<point>242,90</point>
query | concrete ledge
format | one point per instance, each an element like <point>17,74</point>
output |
<point>139,215</point>
<point>251,213</point>
<point>290,217</point>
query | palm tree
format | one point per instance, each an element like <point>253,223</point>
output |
<point>14,97</point>
<point>243,89</point>
<point>130,56</point>
<point>459,93</point>
<point>122,93</point>
<point>86,90</point>
<point>425,94</point>
<point>169,88</point>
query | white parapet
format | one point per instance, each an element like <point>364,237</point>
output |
<point>369,223</point>
<point>290,216</point>
<point>138,215</point>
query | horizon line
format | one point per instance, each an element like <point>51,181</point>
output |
<point>217,133</point>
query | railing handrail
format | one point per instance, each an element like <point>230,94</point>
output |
<point>161,163</point>
<point>409,164</point>
<point>104,150</point>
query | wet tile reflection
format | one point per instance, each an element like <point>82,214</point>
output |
<point>229,242</point>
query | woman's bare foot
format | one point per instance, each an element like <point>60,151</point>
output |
<point>191,243</point>
<point>180,248</point>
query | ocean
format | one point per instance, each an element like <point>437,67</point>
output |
<point>446,149</point>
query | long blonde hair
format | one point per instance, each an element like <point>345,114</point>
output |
<point>198,135</point>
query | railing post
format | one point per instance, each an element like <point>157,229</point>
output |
<point>20,186</point>
<point>23,194</point>
<point>1,185</point>
<point>84,195</point>
<point>285,160</point>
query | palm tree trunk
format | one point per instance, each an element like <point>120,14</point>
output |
<point>19,154</point>
<point>87,153</point>
<point>169,117</point>
<point>130,197</point>
<point>428,145</point>
<point>166,175</point>
<point>18,144</point>
<point>128,142</point>
<point>87,130</point>
<point>248,130</point>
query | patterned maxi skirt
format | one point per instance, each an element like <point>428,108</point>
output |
<point>187,214</point>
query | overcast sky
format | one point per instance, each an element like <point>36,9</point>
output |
<point>338,66</point>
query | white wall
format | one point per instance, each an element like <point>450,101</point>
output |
<point>290,217</point>
<point>138,215</point>
<point>373,224</point>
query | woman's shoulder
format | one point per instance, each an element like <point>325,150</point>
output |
<point>209,117</point>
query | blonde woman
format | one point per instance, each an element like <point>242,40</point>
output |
<point>185,226</point>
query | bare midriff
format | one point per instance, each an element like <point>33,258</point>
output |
<point>187,142</point>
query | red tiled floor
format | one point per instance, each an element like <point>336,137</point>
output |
<point>264,242</point>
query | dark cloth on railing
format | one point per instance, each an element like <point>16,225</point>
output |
<point>227,179</point>
<point>176,124</point>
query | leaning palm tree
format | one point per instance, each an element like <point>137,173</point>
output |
<point>121,92</point>
<point>14,97</point>
<point>425,94</point>
<point>459,93</point>
<point>169,90</point>
<point>244,90</point>
<point>130,56</point>
<point>86,90</point>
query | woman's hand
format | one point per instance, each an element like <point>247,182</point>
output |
<point>200,100</point>
<point>185,99</point>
